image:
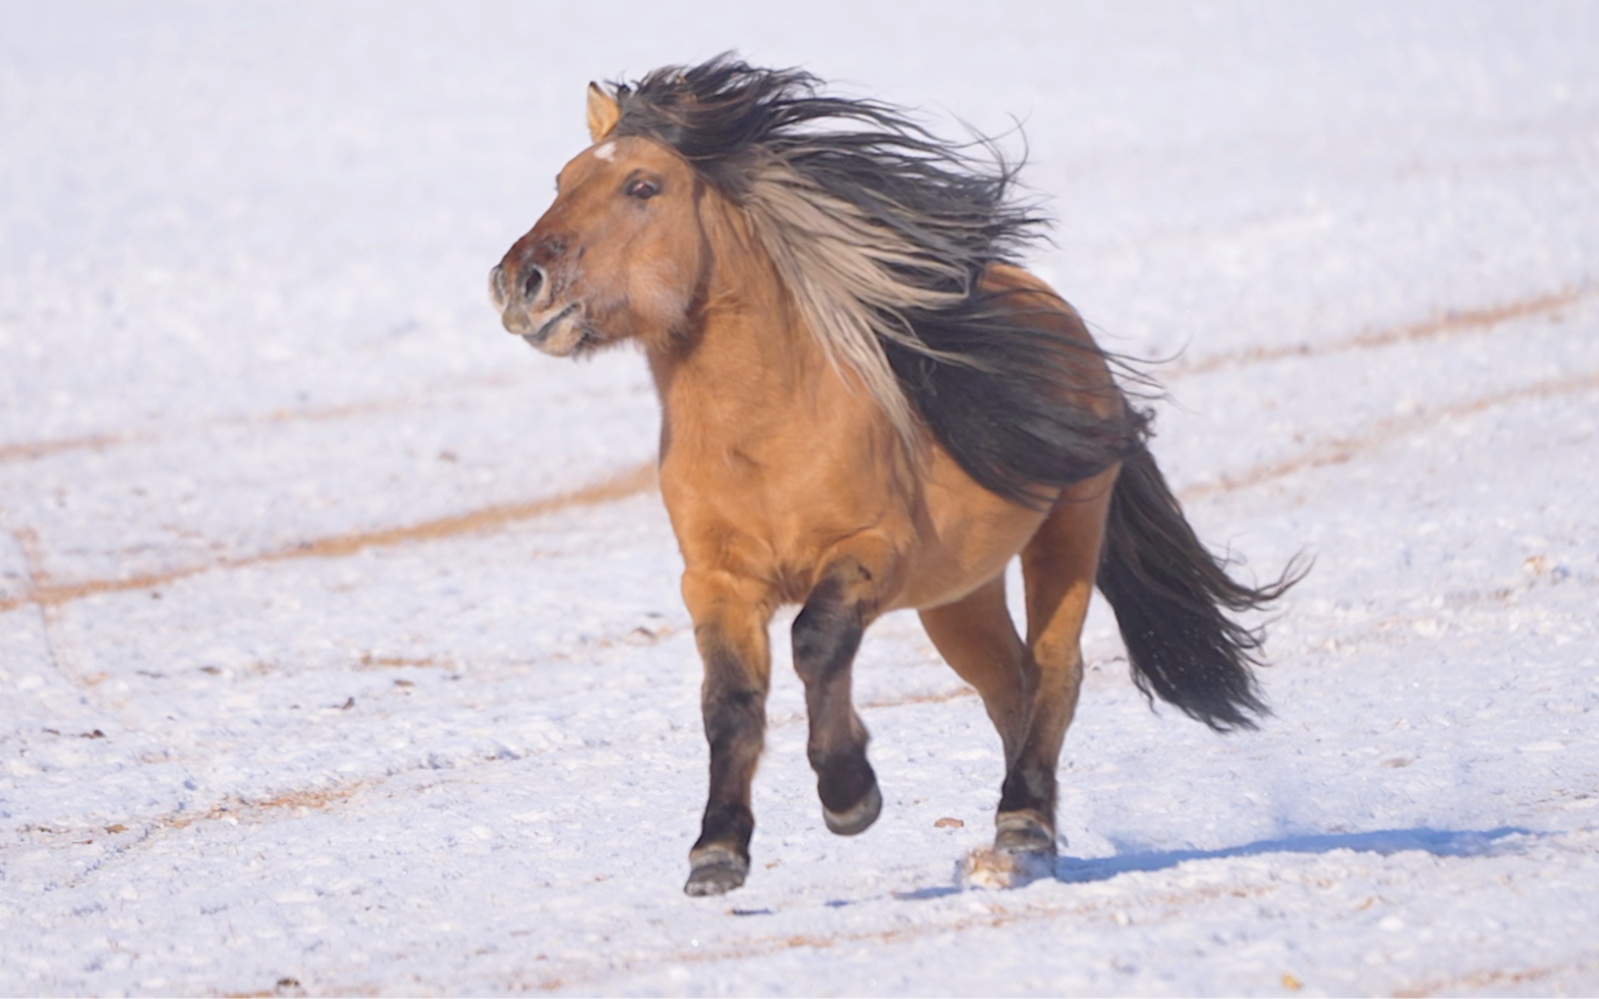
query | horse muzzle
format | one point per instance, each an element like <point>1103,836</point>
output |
<point>526,289</point>
<point>527,309</point>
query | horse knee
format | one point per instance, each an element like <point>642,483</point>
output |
<point>733,718</point>
<point>826,635</point>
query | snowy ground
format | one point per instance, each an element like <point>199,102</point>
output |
<point>328,667</point>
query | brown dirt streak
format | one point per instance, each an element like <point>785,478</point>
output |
<point>1450,323</point>
<point>239,808</point>
<point>1341,450</point>
<point>640,478</point>
<point>99,442</point>
<point>41,449</point>
<point>942,697</point>
<point>1491,979</point>
<point>32,557</point>
<point>369,662</point>
<point>235,808</point>
<point>629,483</point>
<point>37,577</point>
<point>351,409</point>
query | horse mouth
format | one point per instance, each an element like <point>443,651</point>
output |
<point>559,334</point>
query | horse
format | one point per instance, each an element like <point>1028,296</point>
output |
<point>869,405</point>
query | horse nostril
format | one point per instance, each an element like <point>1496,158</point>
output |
<point>497,286</point>
<point>534,282</point>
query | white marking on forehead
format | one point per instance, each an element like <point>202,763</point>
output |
<point>605,152</point>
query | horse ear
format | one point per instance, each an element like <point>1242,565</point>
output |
<point>604,112</point>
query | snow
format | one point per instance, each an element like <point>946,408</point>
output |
<point>339,632</point>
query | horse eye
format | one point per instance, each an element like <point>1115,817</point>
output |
<point>643,189</point>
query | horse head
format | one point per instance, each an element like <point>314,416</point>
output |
<point>617,256</point>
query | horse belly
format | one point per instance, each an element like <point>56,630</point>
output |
<point>968,536</point>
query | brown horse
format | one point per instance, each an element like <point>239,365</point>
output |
<point>867,406</point>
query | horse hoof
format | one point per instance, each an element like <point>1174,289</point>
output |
<point>1018,833</point>
<point>1002,869</point>
<point>858,819</point>
<point>716,871</point>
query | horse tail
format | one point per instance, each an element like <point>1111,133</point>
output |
<point>1170,595</point>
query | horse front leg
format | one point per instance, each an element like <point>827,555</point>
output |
<point>730,619</point>
<point>826,635</point>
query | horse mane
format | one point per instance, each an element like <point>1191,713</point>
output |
<point>882,232</point>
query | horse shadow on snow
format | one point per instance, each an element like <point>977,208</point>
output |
<point>1438,842</point>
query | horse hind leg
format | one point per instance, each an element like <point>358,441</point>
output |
<point>1059,566</point>
<point>976,636</point>
<point>978,639</point>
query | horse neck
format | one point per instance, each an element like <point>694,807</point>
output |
<point>747,360</point>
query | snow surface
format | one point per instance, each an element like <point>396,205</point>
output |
<point>339,632</point>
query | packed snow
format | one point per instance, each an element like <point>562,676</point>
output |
<point>340,638</point>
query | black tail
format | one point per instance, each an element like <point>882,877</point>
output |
<point>1169,593</point>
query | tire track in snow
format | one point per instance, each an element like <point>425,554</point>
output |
<point>134,835</point>
<point>30,451</point>
<point>234,810</point>
<point>925,697</point>
<point>34,450</point>
<point>1450,323</point>
<point>49,593</point>
<point>1396,628</point>
<point>56,647</point>
<point>1321,454</point>
<point>996,916</point>
<point>1342,450</point>
<point>1390,629</point>
<point>640,478</point>
<point>1495,980</point>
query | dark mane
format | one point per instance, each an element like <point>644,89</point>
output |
<point>723,115</point>
<point>831,179</point>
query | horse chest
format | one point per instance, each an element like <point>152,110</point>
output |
<point>772,513</point>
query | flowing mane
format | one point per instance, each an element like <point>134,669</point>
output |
<point>882,233</point>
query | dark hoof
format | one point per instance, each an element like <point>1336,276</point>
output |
<point>1023,833</point>
<point>716,870</point>
<point>858,819</point>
